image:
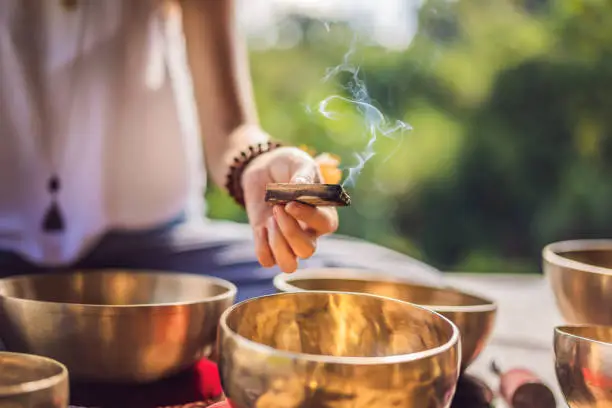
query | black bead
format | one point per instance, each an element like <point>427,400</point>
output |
<point>54,184</point>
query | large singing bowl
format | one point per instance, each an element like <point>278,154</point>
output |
<point>114,325</point>
<point>583,363</point>
<point>580,274</point>
<point>324,349</point>
<point>473,315</point>
<point>28,381</point>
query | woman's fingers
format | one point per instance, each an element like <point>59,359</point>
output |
<point>282,252</point>
<point>322,220</point>
<point>302,243</point>
<point>262,247</point>
<point>291,233</point>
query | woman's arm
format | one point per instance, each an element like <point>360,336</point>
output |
<point>221,79</point>
<point>218,60</point>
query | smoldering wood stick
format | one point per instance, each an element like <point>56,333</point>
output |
<point>318,195</point>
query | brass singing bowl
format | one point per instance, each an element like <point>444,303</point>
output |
<point>473,315</point>
<point>580,274</point>
<point>346,350</point>
<point>28,381</point>
<point>114,325</point>
<point>583,363</point>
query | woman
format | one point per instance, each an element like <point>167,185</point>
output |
<point>111,111</point>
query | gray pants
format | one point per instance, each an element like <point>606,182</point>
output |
<point>224,249</point>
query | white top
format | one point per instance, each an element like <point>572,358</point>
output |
<point>120,127</point>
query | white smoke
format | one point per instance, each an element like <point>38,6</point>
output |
<point>375,123</point>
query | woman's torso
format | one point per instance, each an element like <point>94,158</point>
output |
<point>113,115</point>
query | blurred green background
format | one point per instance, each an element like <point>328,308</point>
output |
<point>511,148</point>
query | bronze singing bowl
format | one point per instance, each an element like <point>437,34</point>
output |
<point>28,381</point>
<point>334,349</point>
<point>114,325</point>
<point>580,274</point>
<point>473,315</point>
<point>583,363</point>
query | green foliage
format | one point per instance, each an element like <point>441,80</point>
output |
<point>510,102</point>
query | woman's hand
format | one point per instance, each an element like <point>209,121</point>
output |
<point>284,233</point>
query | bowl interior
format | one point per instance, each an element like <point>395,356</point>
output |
<point>596,257</point>
<point>418,294</point>
<point>115,288</point>
<point>339,325</point>
<point>601,334</point>
<point>21,370</point>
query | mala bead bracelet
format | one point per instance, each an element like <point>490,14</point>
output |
<point>234,176</point>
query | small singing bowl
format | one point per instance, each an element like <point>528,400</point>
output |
<point>114,325</point>
<point>28,381</point>
<point>580,274</point>
<point>583,364</point>
<point>318,349</point>
<point>473,315</point>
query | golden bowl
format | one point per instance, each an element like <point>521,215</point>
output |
<point>583,363</point>
<point>580,274</point>
<point>346,350</point>
<point>473,315</point>
<point>114,325</point>
<point>28,381</point>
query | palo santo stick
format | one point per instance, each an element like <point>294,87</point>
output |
<point>319,195</point>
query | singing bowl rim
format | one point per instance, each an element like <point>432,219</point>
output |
<point>230,289</point>
<point>35,385</point>
<point>564,331</point>
<point>283,281</point>
<point>551,254</point>
<point>349,360</point>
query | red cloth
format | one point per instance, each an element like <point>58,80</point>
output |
<point>201,383</point>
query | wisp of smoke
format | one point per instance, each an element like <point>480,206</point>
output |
<point>376,124</point>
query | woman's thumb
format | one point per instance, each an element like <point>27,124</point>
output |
<point>306,174</point>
